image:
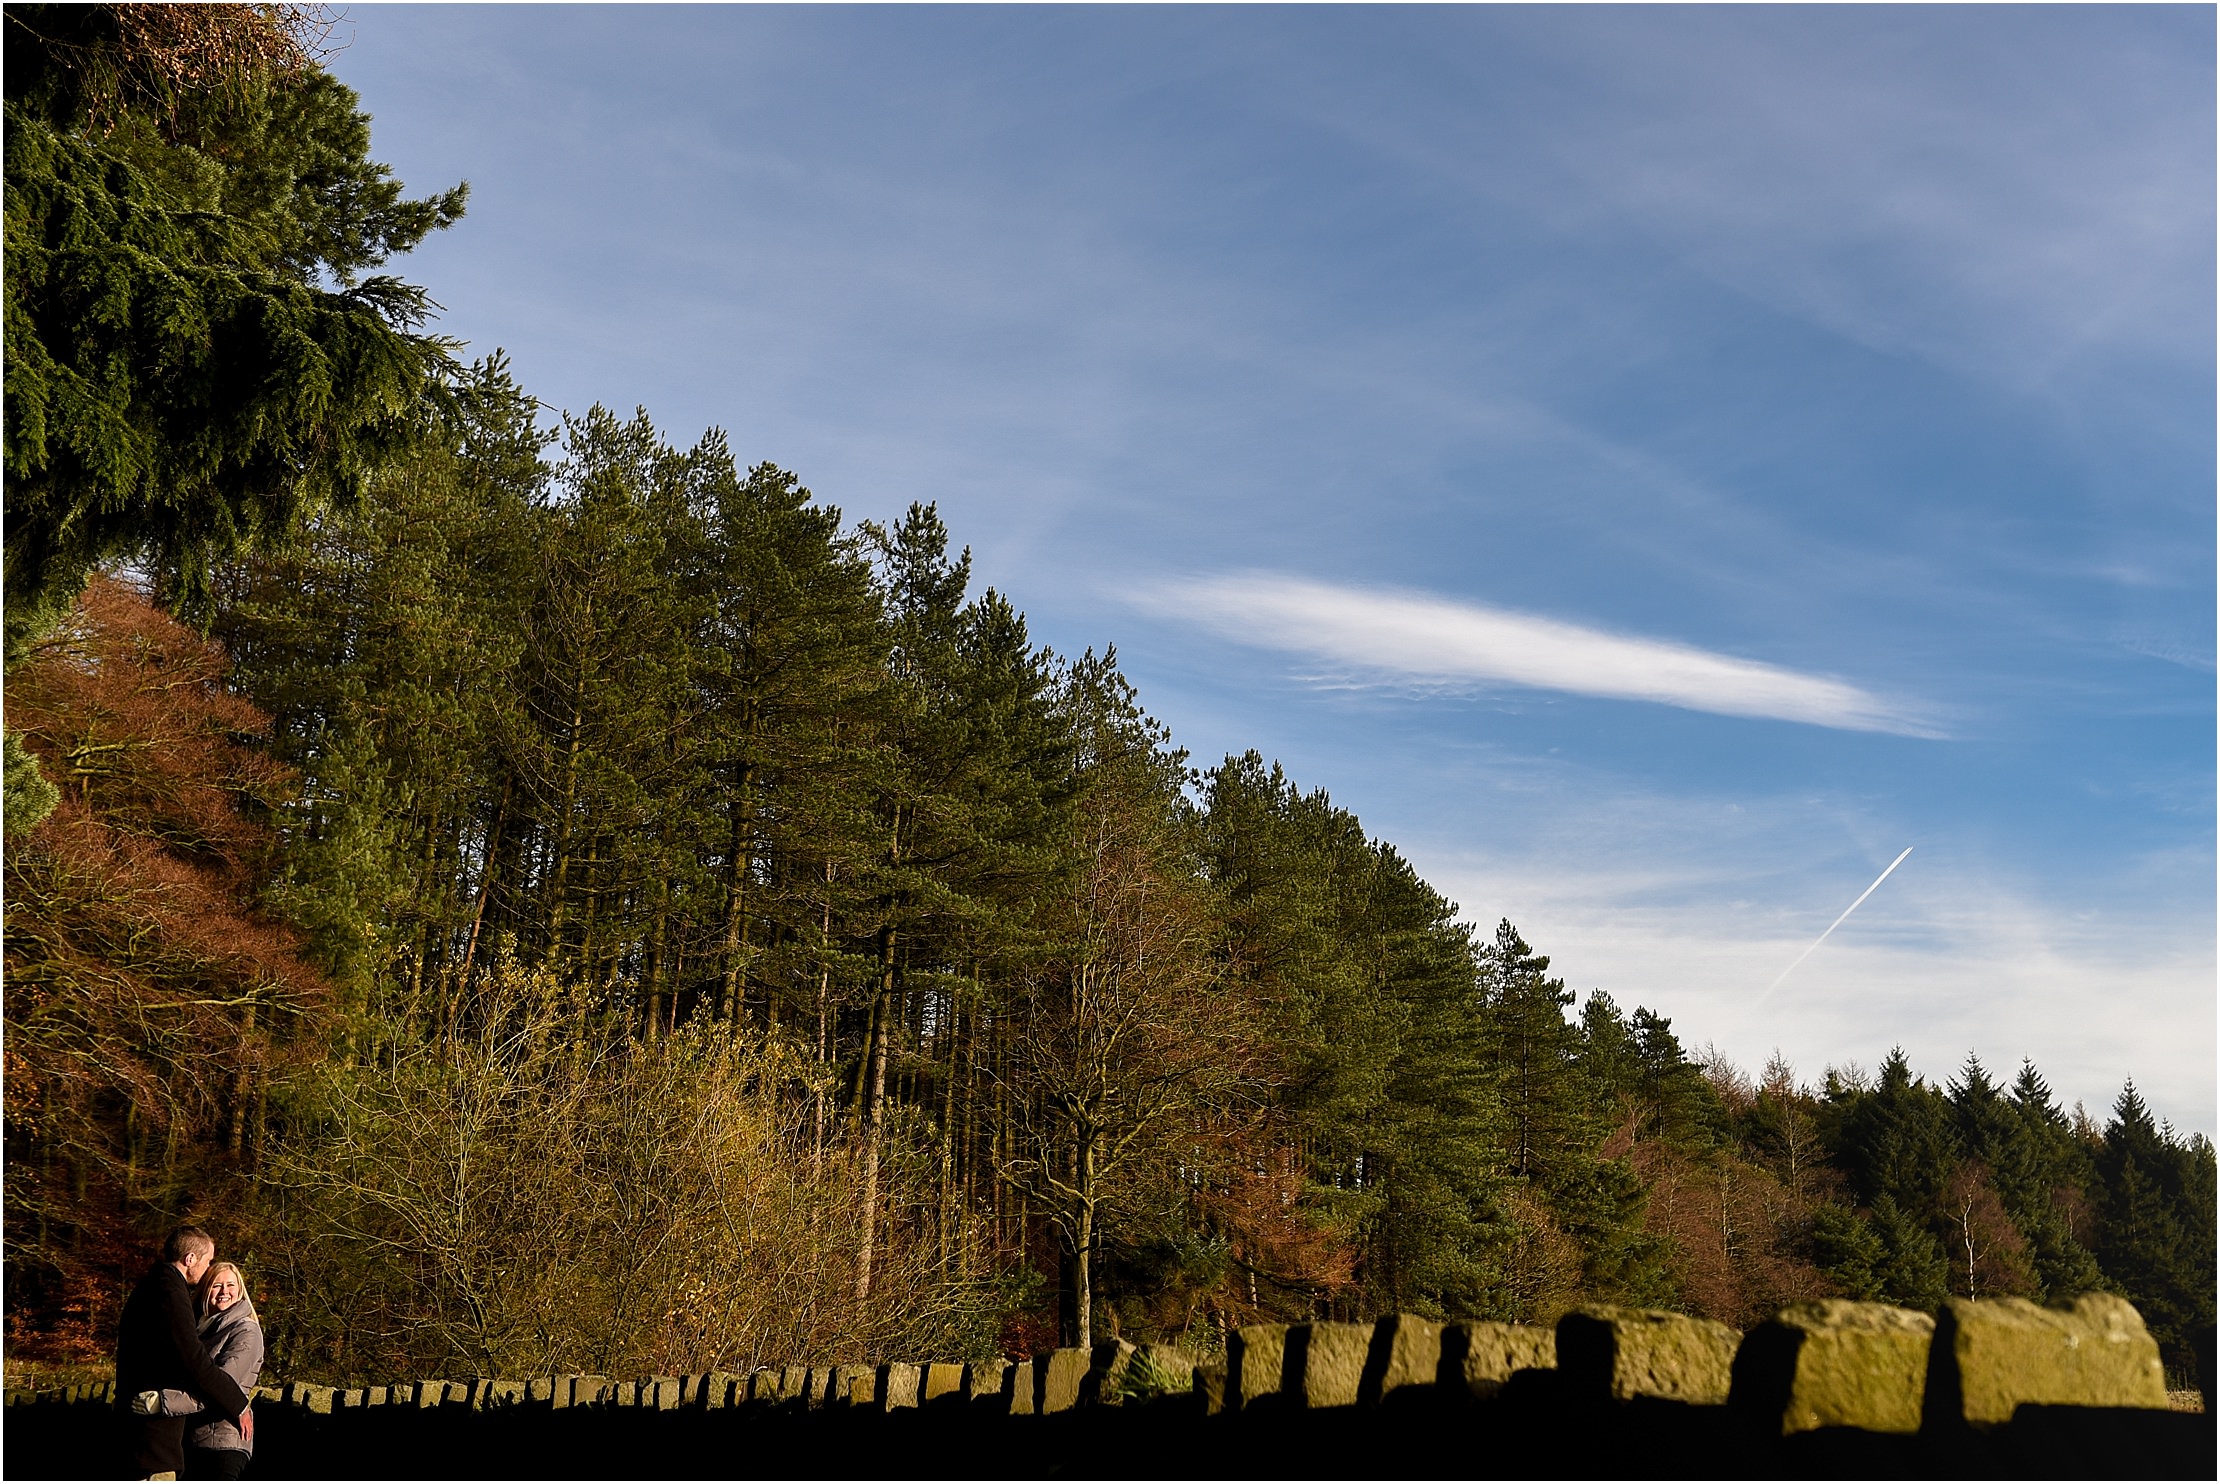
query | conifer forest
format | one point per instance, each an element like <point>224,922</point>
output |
<point>554,895</point>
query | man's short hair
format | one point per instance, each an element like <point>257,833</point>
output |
<point>187,1241</point>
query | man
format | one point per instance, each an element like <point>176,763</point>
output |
<point>158,1345</point>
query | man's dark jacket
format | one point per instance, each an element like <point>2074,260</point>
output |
<point>159,1346</point>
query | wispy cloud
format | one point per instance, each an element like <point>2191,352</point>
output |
<point>1415,636</point>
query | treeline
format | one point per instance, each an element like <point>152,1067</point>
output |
<point>565,901</point>
<point>687,927</point>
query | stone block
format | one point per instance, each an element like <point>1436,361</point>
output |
<point>372,1396</point>
<point>428,1393</point>
<point>1834,1363</point>
<point>818,1391</point>
<point>944,1380</point>
<point>985,1383</point>
<point>1406,1351</point>
<point>854,1385</point>
<point>1104,1383</point>
<point>1991,1356</point>
<point>623,1394</point>
<point>663,1393</point>
<point>318,1399</point>
<point>1017,1388</point>
<point>1607,1351</point>
<point>1325,1363</point>
<point>1210,1387</point>
<point>1057,1378</point>
<point>1484,1354</point>
<point>504,1394</point>
<point>351,1399</point>
<point>540,1391</point>
<point>898,1385</point>
<point>1256,1364</point>
<point>794,1384</point>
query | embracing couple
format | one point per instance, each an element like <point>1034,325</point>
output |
<point>187,1355</point>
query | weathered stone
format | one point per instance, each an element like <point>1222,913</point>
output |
<point>819,1391</point>
<point>540,1390</point>
<point>1057,1377</point>
<point>586,1391</point>
<point>266,1394</point>
<point>794,1384</point>
<point>855,1385</point>
<point>504,1394</point>
<point>1406,1351</point>
<point>316,1398</point>
<point>1485,1354</point>
<point>372,1396</point>
<point>1210,1386</point>
<point>1256,1364</point>
<point>1017,1388</point>
<point>1834,1363</point>
<point>1607,1351</point>
<point>1991,1356</point>
<point>1325,1363</point>
<point>898,1385</point>
<point>944,1380</point>
<point>985,1381</point>
<point>350,1399</point>
<point>1104,1383</point>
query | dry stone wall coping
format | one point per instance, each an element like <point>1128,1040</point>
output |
<point>1831,1364</point>
<point>1607,1351</point>
<point>1992,1356</point>
<point>1835,1363</point>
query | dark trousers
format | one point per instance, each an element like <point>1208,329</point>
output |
<point>156,1444</point>
<point>215,1463</point>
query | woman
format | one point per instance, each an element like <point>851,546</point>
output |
<point>215,1449</point>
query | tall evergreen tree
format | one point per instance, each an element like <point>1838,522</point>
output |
<point>2154,1222</point>
<point>198,349</point>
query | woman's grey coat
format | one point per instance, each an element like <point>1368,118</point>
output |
<point>234,1340</point>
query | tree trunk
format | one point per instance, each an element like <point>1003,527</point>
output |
<point>1083,1266</point>
<point>874,1137</point>
<point>736,887</point>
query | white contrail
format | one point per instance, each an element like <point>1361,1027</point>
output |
<point>1807,953</point>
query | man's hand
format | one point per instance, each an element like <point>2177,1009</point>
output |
<point>246,1426</point>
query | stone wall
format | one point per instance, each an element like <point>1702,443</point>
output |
<point>1822,1389</point>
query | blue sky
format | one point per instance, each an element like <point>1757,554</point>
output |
<point>1652,464</point>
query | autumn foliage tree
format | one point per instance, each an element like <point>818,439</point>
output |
<point>150,1003</point>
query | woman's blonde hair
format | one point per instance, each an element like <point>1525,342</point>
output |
<point>208,1279</point>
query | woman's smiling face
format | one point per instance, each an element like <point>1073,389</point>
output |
<point>224,1290</point>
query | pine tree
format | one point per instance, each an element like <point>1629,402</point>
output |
<point>2154,1222</point>
<point>1894,1141</point>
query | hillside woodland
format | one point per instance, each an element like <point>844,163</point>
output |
<point>553,898</point>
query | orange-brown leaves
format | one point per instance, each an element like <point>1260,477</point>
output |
<point>147,998</point>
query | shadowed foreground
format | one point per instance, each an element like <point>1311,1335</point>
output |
<point>1528,1431</point>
